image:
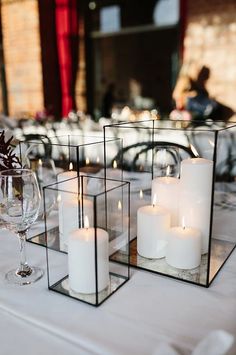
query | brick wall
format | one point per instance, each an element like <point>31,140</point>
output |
<point>21,42</point>
<point>210,40</point>
<point>80,87</point>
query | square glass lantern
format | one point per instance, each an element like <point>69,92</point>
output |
<point>92,224</point>
<point>183,196</point>
<point>58,158</point>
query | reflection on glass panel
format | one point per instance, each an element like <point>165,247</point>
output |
<point>166,12</point>
<point>134,55</point>
<point>110,19</point>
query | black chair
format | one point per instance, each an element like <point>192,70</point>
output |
<point>134,156</point>
<point>37,141</point>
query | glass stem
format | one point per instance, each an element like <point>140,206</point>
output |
<point>24,269</point>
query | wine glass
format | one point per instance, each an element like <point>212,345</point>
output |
<point>19,206</point>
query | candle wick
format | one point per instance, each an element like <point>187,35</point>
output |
<point>183,227</point>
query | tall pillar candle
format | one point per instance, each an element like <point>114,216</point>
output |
<point>67,183</point>
<point>137,199</point>
<point>184,248</point>
<point>167,191</point>
<point>153,223</point>
<point>71,211</point>
<point>81,260</point>
<point>195,196</point>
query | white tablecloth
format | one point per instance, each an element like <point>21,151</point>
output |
<point>147,311</point>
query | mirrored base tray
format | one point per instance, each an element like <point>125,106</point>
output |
<point>53,241</point>
<point>115,282</point>
<point>221,250</point>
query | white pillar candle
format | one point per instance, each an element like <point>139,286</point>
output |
<point>69,183</point>
<point>70,216</point>
<point>167,191</point>
<point>137,199</point>
<point>195,196</point>
<point>184,248</point>
<point>40,170</point>
<point>66,185</point>
<point>81,260</point>
<point>153,223</point>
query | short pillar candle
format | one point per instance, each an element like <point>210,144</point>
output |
<point>153,222</point>
<point>81,260</point>
<point>184,248</point>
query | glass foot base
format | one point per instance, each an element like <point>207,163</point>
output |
<point>15,277</point>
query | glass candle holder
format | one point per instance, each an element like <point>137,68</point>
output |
<point>189,170</point>
<point>92,225</point>
<point>58,158</point>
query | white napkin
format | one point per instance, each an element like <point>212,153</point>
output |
<point>217,342</point>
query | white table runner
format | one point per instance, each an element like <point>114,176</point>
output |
<point>147,311</point>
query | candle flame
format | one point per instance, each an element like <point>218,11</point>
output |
<point>86,222</point>
<point>71,166</point>
<point>132,117</point>
<point>87,161</point>
<point>119,205</point>
<point>114,164</point>
<point>194,150</point>
<point>141,194</point>
<point>154,200</point>
<point>183,223</point>
<point>98,160</point>
<point>40,162</point>
<point>168,170</point>
<point>211,143</point>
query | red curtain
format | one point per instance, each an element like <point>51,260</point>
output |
<point>66,15</point>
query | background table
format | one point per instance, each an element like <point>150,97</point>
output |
<point>147,311</point>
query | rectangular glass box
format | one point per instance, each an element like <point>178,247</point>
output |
<point>91,224</point>
<point>86,153</point>
<point>155,151</point>
<point>59,157</point>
